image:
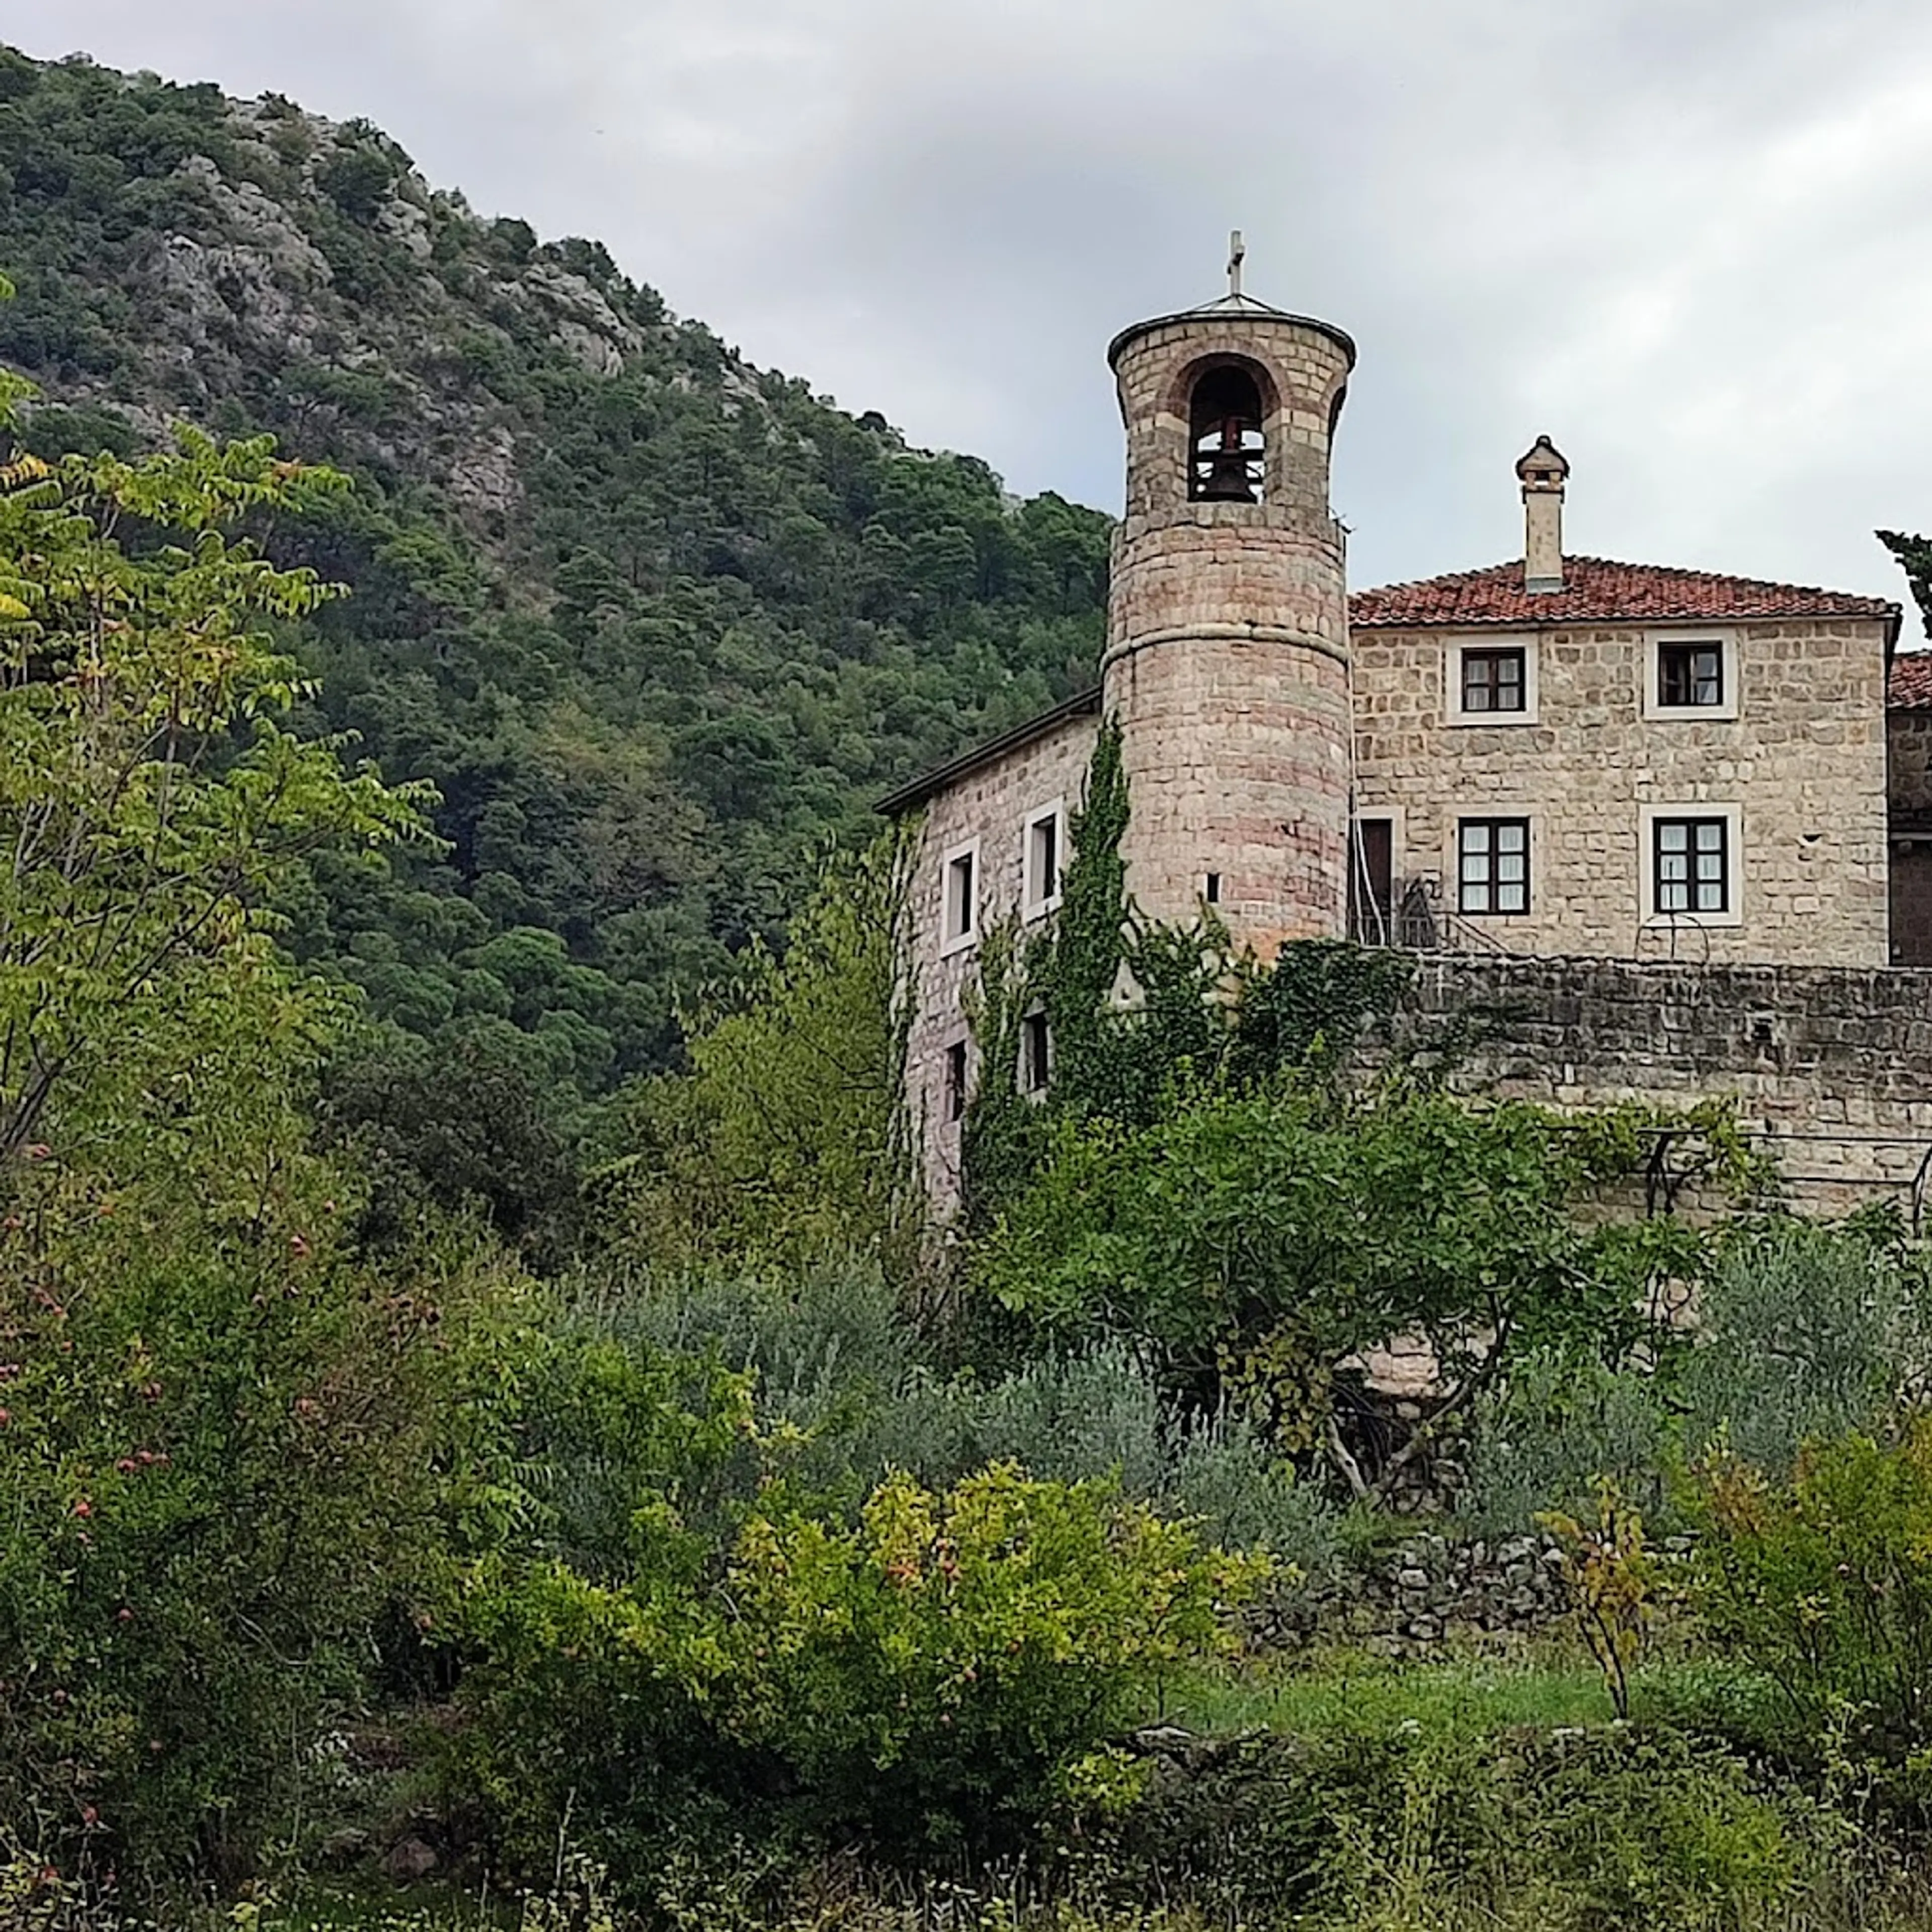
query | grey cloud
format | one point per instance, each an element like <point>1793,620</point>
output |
<point>1688,238</point>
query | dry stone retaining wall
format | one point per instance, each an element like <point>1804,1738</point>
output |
<point>1427,1592</point>
<point>1830,1067</point>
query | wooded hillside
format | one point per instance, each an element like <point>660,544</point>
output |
<point>656,623</point>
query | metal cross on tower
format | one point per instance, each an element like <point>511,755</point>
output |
<point>1237,253</point>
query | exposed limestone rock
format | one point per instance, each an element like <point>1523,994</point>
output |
<point>597,353</point>
<point>406,223</point>
<point>217,292</point>
<point>483,478</point>
<point>263,287</point>
<point>259,222</point>
<point>583,324</point>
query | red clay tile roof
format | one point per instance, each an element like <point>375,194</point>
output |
<point>1911,686</point>
<point>1597,591</point>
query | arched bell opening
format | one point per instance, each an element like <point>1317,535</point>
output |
<point>1226,450</point>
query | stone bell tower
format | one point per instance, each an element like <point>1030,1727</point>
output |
<point>1227,657</point>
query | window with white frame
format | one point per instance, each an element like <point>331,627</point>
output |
<point>1492,866</point>
<point>1492,680</point>
<point>1690,676</point>
<point>1491,683</point>
<point>1045,854</point>
<point>959,888</point>
<point>1693,865</point>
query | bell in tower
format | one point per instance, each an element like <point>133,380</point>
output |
<point>1227,463</point>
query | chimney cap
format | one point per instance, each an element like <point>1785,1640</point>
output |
<point>1542,466</point>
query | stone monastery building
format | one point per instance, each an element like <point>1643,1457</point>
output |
<point>1558,757</point>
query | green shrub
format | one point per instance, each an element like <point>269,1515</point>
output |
<point>608,1476</point>
<point>851,1385</point>
<point>830,1347</point>
<point>968,1645</point>
<point>1823,1582</point>
<point>357,177</point>
<point>1100,1413</point>
<point>1436,1829</point>
<point>939,1672</point>
<point>1590,1830</point>
<point>1804,1329</point>
<point>1559,1423</point>
<point>1070,1417</point>
<point>217,1457</point>
<point>606,1452</point>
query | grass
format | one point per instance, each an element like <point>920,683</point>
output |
<point>953,1908</point>
<point>1355,1692</point>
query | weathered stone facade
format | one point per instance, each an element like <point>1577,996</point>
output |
<point>1831,1068</point>
<point>1710,849</point>
<point>1798,769</point>
<point>986,814</point>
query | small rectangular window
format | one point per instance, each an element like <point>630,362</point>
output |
<point>1693,861</point>
<point>956,1080</point>
<point>1036,1053</point>
<point>1690,675</point>
<point>1043,860</point>
<point>1492,865</point>
<point>961,911</point>
<point>1492,680</point>
<point>1211,891</point>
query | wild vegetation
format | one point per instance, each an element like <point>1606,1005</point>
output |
<point>488,1437</point>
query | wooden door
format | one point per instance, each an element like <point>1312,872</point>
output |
<point>1372,882</point>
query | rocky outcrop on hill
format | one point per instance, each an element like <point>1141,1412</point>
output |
<point>305,270</point>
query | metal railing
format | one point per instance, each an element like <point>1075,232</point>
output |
<point>1418,922</point>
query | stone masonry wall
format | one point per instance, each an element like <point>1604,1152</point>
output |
<point>1236,754</point>
<point>1429,1590</point>
<point>1803,765</point>
<point>1831,1068</point>
<point>1909,742</point>
<point>992,805</point>
<point>1302,367</point>
<point>1908,751</point>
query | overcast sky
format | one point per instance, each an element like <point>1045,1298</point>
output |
<point>1691,239</point>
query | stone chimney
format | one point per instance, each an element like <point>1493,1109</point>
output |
<point>1543,472</point>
